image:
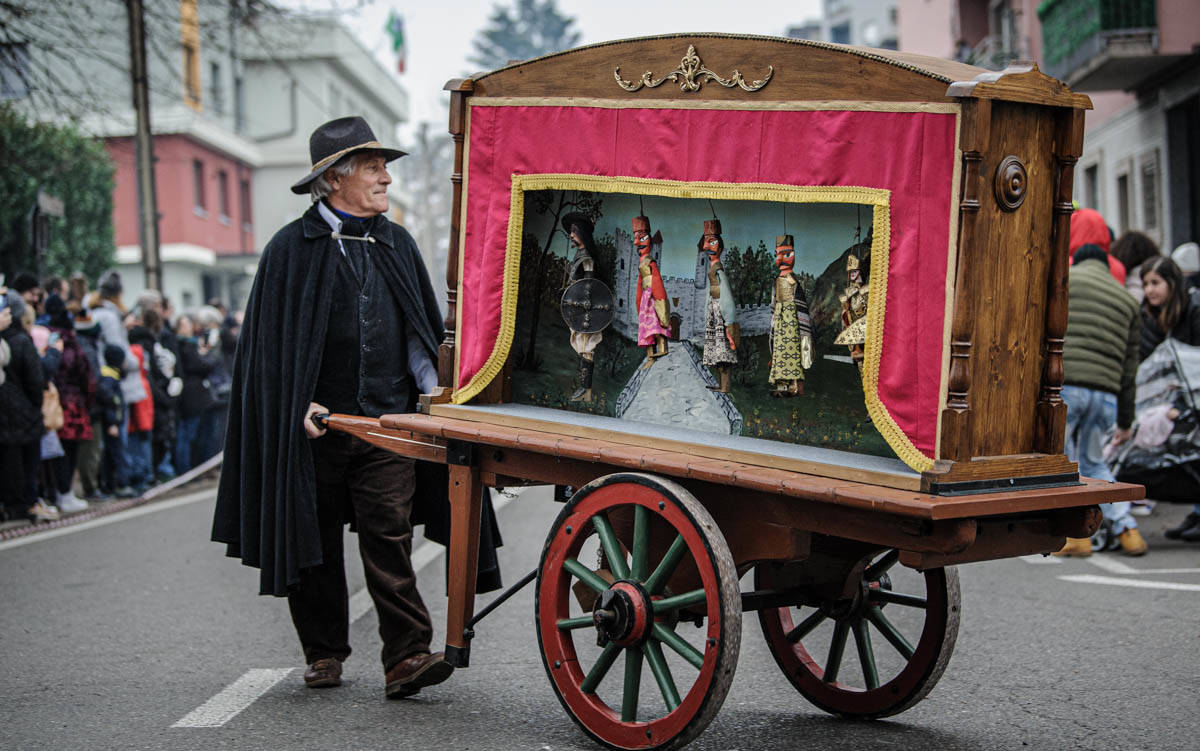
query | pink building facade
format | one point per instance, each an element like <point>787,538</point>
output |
<point>206,220</point>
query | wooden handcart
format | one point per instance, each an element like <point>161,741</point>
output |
<point>638,596</point>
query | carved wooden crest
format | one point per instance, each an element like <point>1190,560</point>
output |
<point>691,74</point>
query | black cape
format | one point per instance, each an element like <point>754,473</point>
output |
<point>266,510</point>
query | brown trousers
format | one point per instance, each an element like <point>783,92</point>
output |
<point>378,485</point>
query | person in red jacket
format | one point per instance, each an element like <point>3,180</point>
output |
<point>1087,226</point>
<point>141,431</point>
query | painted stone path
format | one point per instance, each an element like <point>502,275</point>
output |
<point>674,391</point>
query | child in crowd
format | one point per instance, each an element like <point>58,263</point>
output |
<point>141,427</point>
<point>109,397</point>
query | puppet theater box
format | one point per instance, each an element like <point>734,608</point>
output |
<point>843,261</point>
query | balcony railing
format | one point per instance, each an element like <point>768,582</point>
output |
<point>1076,31</point>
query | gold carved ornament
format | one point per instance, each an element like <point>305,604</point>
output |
<point>693,74</point>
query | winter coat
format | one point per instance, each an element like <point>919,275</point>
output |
<point>1088,228</point>
<point>21,393</point>
<point>1103,328</point>
<point>141,414</point>
<point>266,509</point>
<point>109,397</point>
<point>159,381</point>
<point>112,331</point>
<point>76,384</point>
<point>195,368</point>
<point>1186,330</point>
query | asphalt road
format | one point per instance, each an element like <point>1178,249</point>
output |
<point>114,635</point>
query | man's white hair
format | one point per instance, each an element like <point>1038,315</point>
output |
<point>344,167</point>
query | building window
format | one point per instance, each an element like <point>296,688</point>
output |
<point>239,104</point>
<point>14,71</point>
<point>1091,187</point>
<point>190,41</point>
<point>244,190</point>
<point>223,195</point>
<point>840,34</point>
<point>198,187</point>
<point>216,89</point>
<point>1122,204</point>
<point>1149,170</point>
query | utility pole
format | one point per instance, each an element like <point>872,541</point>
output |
<point>147,196</point>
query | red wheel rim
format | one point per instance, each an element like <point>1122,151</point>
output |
<point>563,664</point>
<point>907,686</point>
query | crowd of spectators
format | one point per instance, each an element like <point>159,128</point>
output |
<point>99,400</point>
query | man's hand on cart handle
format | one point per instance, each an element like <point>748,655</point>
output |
<point>316,420</point>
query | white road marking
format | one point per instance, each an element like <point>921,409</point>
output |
<point>233,699</point>
<point>1111,565</point>
<point>243,692</point>
<point>1039,560</point>
<point>1137,583</point>
<point>119,516</point>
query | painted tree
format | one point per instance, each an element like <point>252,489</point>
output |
<point>527,30</point>
<point>539,283</point>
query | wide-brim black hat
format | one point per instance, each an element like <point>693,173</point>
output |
<point>578,220</point>
<point>334,140</point>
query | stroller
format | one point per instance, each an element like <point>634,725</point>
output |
<point>1164,452</point>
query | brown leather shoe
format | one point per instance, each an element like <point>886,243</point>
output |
<point>415,672</point>
<point>324,673</point>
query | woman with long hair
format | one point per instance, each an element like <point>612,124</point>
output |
<point>1169,310</point>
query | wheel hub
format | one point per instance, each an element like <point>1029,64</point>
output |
<point>623,615</point>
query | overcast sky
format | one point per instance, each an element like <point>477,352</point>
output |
<point>439,32</point>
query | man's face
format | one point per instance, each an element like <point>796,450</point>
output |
<point>576,238</point>
<point>32,296</point>
<point>712,244</point>
<point>363,192</point>
<point>785,257</point>
<point>641,241</point>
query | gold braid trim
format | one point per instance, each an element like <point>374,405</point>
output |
<point>879,198</point>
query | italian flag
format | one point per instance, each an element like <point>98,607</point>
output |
<point>395,29</point>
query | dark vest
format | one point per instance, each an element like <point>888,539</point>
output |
<point>364,366</point>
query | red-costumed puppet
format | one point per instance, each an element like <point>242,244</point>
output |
<point>654,312</point>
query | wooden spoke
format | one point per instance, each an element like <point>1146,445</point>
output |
<point>806,626</point>
<point>866,655</point>
<point>837,646</point>
<point>612,548</point>
<point>886,595</point>
<point>666,566</point>
<point>675,602</point>
<point>881,566</point>
<point>662,674</point>
<point>676,643</point>
<point>641,543</point>
<point>585,574</point>
<point>569,624</point>
<point>890,632</point>
<point>600,669</point>
<point>633,685</point>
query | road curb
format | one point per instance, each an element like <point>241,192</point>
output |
<point>115,507</point>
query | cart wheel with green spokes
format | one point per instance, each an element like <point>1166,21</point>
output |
<point>636,663</point>
<point>902,624</point>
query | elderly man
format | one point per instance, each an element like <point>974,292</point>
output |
<point>341,318</point>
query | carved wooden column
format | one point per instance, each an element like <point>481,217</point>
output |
<point>1049,433</point>
<point>459,90</point>
<point>956,434</point>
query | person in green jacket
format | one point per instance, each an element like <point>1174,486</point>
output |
<point>1100,359</point>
